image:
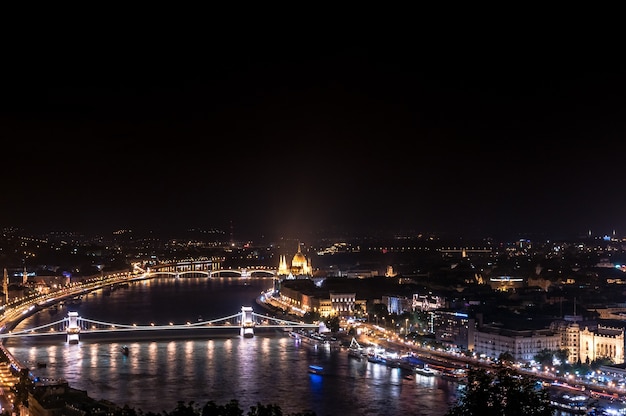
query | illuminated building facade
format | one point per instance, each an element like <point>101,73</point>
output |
<point>397,304</point>
<point>591,343</point>
<point>427,302</point>
<point>603,343</point>
<point>522,345</point>
<point>325,304</point>
<point>506,283</point>
<point>453,328</point>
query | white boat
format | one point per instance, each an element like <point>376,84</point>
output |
<point>313,338</point>
<point>425,371</point>
<point>376,354</point>
<point>355,350</point>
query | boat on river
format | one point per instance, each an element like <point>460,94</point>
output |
<point>376,354</point>
<point>356,354</point>
<point>426,371</point>
<point>572,403</point>
<point>458,375</point>
<point>316,369</point>
<point>355,350</point>
<point>314,338</point>
<point>125,350</point>
<point>376,358</point>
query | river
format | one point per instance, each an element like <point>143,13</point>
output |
<point>162,369</point>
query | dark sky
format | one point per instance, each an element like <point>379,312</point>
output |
<point>285,136</point>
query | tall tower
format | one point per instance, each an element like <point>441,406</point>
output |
<point>283,270</point>
<point>24,277</point>
<point>5,286</point>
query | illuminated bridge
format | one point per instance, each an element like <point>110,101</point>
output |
<point>73,325</point>
<point>208,268</point>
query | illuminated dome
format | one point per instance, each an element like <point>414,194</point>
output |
<point>300,266</point>
<point>298,260</point>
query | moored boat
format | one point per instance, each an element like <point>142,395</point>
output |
<point>457,375</point>
<point>314,338</point>
<point>425,371</point>
<point>576,404</point>
<point>354,353</point>
<point>355,350</point>
<point>376,359</point>
<point>376,354</point>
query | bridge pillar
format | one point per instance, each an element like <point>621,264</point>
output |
<point>72,328</point>
<point>247,323</point>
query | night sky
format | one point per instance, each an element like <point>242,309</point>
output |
<point>285,137</point>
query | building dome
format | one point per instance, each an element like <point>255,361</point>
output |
<point>298,260</point>
<point>300,266</point>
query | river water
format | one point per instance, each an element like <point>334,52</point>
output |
<point>162,369</point>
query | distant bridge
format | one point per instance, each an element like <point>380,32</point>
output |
<point>73,325</point>
<point>207,269</point>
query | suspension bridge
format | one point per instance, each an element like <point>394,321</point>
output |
<point>74,325</point>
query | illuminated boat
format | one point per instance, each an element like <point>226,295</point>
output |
<point>376,354</point>
<point>457,375</point>
<point>576,404</point>
<point>425,371</point>
<point>355,350</point>
<point>313,338</point>
<point>376,359</point>
<point>316,369</point>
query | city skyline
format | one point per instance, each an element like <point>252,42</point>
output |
<point>278,140</point>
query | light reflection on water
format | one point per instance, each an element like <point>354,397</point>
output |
<point>270,368</point>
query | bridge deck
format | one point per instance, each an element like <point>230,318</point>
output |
<point>85,325</point>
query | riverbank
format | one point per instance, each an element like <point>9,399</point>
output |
<point>268,368</point>
<point>278,312</point>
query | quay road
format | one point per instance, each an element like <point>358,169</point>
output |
<point>16,310</point>
<point>7,380</point>
<point>607,396</point>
